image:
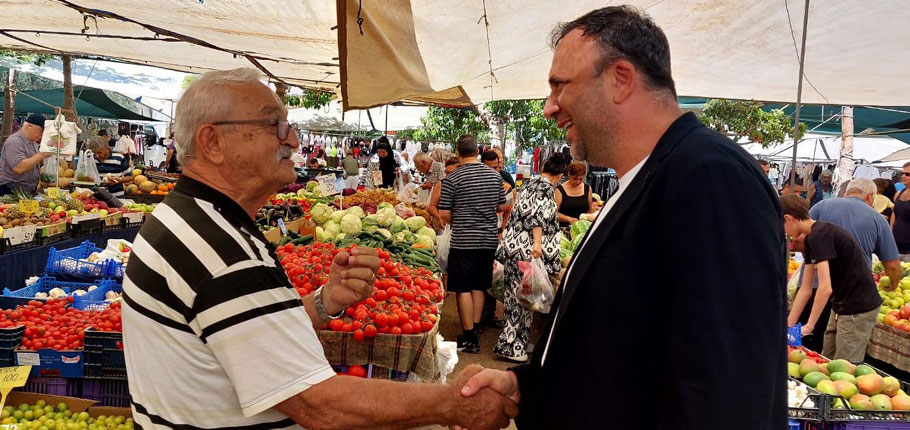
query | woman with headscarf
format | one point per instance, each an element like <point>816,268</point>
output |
<point>386,162</point>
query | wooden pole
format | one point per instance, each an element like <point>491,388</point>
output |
<point>9,106</point>
<point>799,98</point>
<point>845,161</point>
<point>69,100</point>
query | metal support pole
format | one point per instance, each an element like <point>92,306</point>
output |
<point>799,98</point>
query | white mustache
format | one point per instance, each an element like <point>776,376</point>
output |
<point>284,152</point>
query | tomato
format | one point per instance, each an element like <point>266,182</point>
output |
<point>406,328</point>
<point>382,320</point>
<point>358,335</point>
<point>426,326</point>
<point>336,325</point>
<point>393,320</point>
<point>357,371</point>
<point>395,330</point>
<point>370,331</point>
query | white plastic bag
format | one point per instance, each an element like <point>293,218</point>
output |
<point>87,170</point>
<point>50,170</point>
<point>442,247</point>
<point>125,145</point>
<point>408,193</point>
<point>536,291</point>
<point>59,137</point>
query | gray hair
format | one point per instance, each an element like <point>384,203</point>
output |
<point>421,157</point>
<point>206,101</point>
<point>861,186</point>
<point>96,143</point>
<point>826,173</point>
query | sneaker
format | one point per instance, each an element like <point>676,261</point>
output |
<point>480,327</point>
<point>467,345</point>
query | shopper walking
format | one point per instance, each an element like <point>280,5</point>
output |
<point>670,235</point>
<point>469,200</point>
<point>215,335</point>
<point>844,276</point>
<point>351,170</point>
<point>900,219</point>
<point>531,233</point>
<point>386,162</point>
<point>574,196</point>
<point>822,189</point>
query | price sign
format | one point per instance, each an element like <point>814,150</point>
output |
<point>327,184</point>
<point>377,179</point>
<point>19,235</point>
<point>284,229</point>
<point>28,206</point>
<point>53,192</point>
<point>12,377</point>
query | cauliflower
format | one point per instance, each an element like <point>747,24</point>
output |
<point>370,224</point>
<point>385,232</point>
<point>337,215</point>
<point>320,212</point>
<point>92,288</point>
<point>398,225</point>
<point>356,210</point>
<point>322,235</point>
<point>79,293</point>
<point>40,295</point>
<point>56,293</point>
<point>428,232</point>
<point>384,205</point>
<point>385,216</point>
<point>332,228</point>
<point>351,224</point>
<point>415,223</point>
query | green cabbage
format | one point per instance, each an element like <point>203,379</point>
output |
<point>404,236</point>
<point>415,223</point>
<point>385,216</point>
<point>424,240</point>
<point>340,236</point>
<point>398,225</point>
<point>370,224</point>
<point>576,241</point>
<point>320,212</point>
<point>386,233</point>
<point>579,228</point>
<point>332,228</point>
<point>312,185</point>
<point>384,205</point>
<point>337,215</point>
<point>564,243</point>
<point>322,235</point>
<point>356,210</point>
<point>427,232</point>
<point>351,224</point>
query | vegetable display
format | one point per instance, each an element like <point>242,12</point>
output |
<point>54,325</point>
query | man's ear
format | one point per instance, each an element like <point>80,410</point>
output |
<point>625,80</point>
<point>209,144</point>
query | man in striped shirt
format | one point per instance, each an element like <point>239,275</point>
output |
<point>215,336</point>
<point>470,198</point>
<point>114,168</point>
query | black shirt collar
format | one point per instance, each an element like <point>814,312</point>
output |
<point>226,206</point>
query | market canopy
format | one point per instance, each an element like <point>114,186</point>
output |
<point>330,118</point>
<point>444,52</point>
<point>91,102</point>
<point>826,148</point>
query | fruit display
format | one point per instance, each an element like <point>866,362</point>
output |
<point>860,385</point>
<point>44,416</point>
<point>54,324</point>
<point>337,225</point>
<point>895,310</point>
<point>798,395</point>
<point>369,200</point>
<point>404,300</point>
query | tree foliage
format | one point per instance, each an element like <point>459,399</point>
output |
<point>746,118</point>
<point>188,80</point>
<point>309,99</point>
<point>524,122</point>
<point>28,57</point>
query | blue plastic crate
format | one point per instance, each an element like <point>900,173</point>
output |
<point>48,362</point>
<point>70,387</point>
<point>94,300</point>
<point>104,355</point>
<point>795,335</point>
<point>47,283</point>
<point>70,262</point>
<point>872,425</point>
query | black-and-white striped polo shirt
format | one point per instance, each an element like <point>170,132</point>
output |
<point>472,193</point>
<point>214,333</point>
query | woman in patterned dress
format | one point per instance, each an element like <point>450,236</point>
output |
<point>531,233</point>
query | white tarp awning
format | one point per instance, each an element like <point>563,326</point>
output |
<point>439,51</point>
<point>826,148</point>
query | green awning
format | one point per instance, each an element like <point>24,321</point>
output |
<point>92,102</point>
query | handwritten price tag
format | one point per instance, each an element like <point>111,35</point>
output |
<point>53,192</point>
<point>28,206</point>
<point>12,377</point>
<point>327,185</point>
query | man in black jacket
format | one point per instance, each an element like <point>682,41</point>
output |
<point>671,315</point>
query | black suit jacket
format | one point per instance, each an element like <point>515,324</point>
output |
<point>673,313</point>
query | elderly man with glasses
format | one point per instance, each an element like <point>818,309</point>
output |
<point>215,335</point>
<point>20,159</point>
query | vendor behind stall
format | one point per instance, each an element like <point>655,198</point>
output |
<point>20,159</point>
<point>114,168</point>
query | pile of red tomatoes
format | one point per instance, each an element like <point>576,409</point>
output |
<point>56,325</point>
<point>404,300</point>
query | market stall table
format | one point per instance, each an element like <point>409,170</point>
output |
<point>16,267</point>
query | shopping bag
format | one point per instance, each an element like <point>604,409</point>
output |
<point>793,285</point>
<point>408,193</point>
<point>442,247</point>
<point>536,291</point>
<point>59,137</point>
<point>498,289</point>
<point>87,170</point>
<point>50,169</point>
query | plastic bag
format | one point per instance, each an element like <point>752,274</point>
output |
<point>59,137</point>
<point>498,289</point>
<point>408,193</point>
<point>442,247</point>
<point>87,170</point>
<point>793,284</point>
<point>50,170</point>
<point>536,291</point>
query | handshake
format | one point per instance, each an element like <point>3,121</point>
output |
<point>488,398</point>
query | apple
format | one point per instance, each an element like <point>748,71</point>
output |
<point>72,213</point>
<point>905,311</point>
<point>102,212</point>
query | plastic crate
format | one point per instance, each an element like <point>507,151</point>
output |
<point>47,240</point>
<point>70,387</point>
<point>108,392</point>
<point>6,248</point>
<point>95,299</point>
<point>71,262</point>
<point>49,362</point>
<point>10,338</point>
<point>795,335</point>
<point>87,228</point>
<point>104,355</point>
<point>47,283</point>
<point>793,425</point>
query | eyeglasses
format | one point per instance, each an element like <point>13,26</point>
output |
<point>282,131</point>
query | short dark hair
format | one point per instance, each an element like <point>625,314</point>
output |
<point>625,33</point>
<point>795,206</point>
<point>489,156</point>
<point>556,164</point>
<point>454,161</point>
<point>466,145</point>
<point>762,162</point>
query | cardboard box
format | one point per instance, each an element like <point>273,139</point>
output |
<point>74,404</point>
<point>274,235</point>
<point>108,411</point>
<point>53,229</point>
<point>112,220</point>
<point>66,364</point>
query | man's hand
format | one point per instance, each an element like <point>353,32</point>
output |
<point>426,186</point>
<point>484,408</point>
<point>351,278</point>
